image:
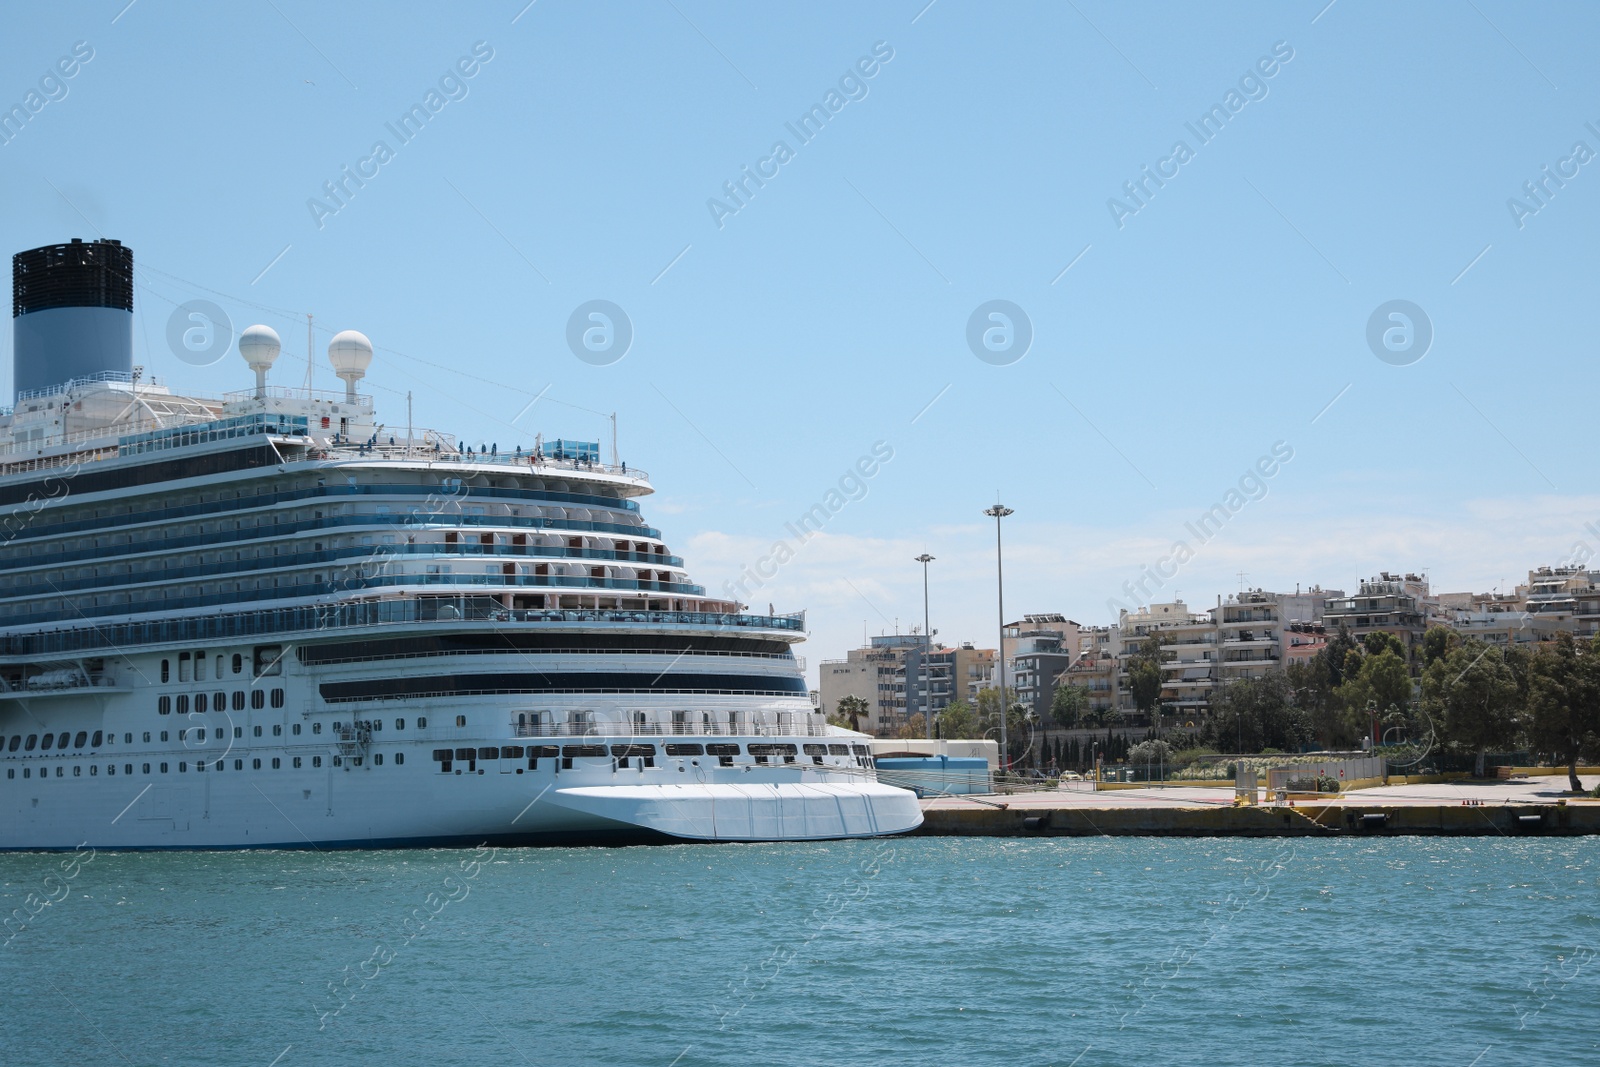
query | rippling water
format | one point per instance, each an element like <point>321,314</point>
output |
<point>930,951</point>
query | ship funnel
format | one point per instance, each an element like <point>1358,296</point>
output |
<point>351,354</point>
<point>71,314</point>
<point>260,345</point>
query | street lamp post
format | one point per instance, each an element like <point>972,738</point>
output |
<point>998,512</point>
<point>927,649</point>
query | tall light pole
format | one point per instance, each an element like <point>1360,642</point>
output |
<point>927,649</point>
<point>998,512</point>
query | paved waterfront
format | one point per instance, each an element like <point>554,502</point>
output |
<point>1535,790</point>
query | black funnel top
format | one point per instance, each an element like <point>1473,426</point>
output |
<point>76,275</point>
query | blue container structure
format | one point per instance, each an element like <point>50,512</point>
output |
<point>936,775</point>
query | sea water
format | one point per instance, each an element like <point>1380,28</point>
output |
<point>939,951</point>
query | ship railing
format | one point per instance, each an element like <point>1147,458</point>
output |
<point>281,622</point>
<point>693,729</point>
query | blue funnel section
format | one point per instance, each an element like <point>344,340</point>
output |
<point>72,313</point>
<point>58,345</point>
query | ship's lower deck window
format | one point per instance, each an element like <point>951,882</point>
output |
<point>399,758</point>
<point>686,750</point>
<point>377,760</point>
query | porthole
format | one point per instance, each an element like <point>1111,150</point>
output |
<point>219,701</point>
<point>183,703</point>
<point>164,705</point>
<point>256,730</point>
<point>98,737</point>
<point>399,724</point>
<point>146,769</point>
<point>297,763</point>
<point>461,720</point>
<point>277,698</point>
<point>127,768</point>
<point>258,699</point>
<point>238,663</point>
<point>316,761</point>
<point>277,730</point>
<point>163,768</point>
<point>201,702</point>
<point>81,740</point>
<point>316,727</point>
<point>275,763</point>
<point>147,737</point>
<point>295,729</point>
<point>422,723</point>
<point>399,758</point>
<point>77,772</point>
<point>255,764</point>
<point>377,760</point>
<point>238,700</point>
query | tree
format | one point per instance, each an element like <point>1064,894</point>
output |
<point>1339,647</point>
<point>1068,704</point>
<point>848,712</point>
<point>1564,699</point>
<point>1018,729</point>
<point>1144,674</point>
<point>1379,683</point>
<point>916,726</point>
<point>1256,713</point>
<point>1312,684</point>
<point>1438,641</point>
<point>1150,752</point>
<point>959,722</point>
<point>1477,693</point>
<point>1378,640</point>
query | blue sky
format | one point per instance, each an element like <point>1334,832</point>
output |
<point>772,351</point>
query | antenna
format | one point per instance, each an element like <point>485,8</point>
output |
<point>311,351</point>
<point>615,460</point>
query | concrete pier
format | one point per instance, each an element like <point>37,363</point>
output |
<point>1532,807</point>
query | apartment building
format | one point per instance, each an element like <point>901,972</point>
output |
<point>1397,605</point>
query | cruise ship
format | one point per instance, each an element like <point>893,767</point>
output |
<point>271,620</point>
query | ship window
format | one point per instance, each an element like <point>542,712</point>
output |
<point>219,654</point>
<point>127,739</point>
<point>163,768</point>
<point>127,768</point>
<point>422,723</point>
<point>297,763</point>
<point>163,706</point>
<point>238,700</point>
<point>201,702</point>
<point>377,760</point>
<point>490,752</point>
<point>163,736</point>
<point>98,737</point>
<point>461,720</point>
<point>441,754</point>
<point>269,660</point>
<point>238,663</point>
<point>257,731</point>
<point>316,761</point>
<point>27,772</point>
<point>238,764</point>
<point>183,767</point>
<point>146,769</point>
<point>295,729</point>
<point>399,758</point>
<point>183,703</point>
<point>77,772</point>
<point>219,701</point>
<point>316,727</point>
<point>337,762</point>
<point>258,699</point>
<point>199,666</point>
<point>722,750</point>
<point>839,750</point>
<point>16,742</point>
<point>81,740</point>
<point>275,763</point>
<point>277,698</point>
<point>277,730</point>
<point>183,666</point>
<point>147,737</point>
<point>238,731</point>
<point>399,724</point>
<point>255,764</point>
<point>11,772</point>
<point>166,670</point>
<point>49,743</point>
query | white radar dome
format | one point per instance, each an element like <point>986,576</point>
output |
<point>350,353</point>
<point>259,345</point>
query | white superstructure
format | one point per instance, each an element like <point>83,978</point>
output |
<point>271,620</point>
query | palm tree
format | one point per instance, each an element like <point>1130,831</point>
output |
<point>850,709</point>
